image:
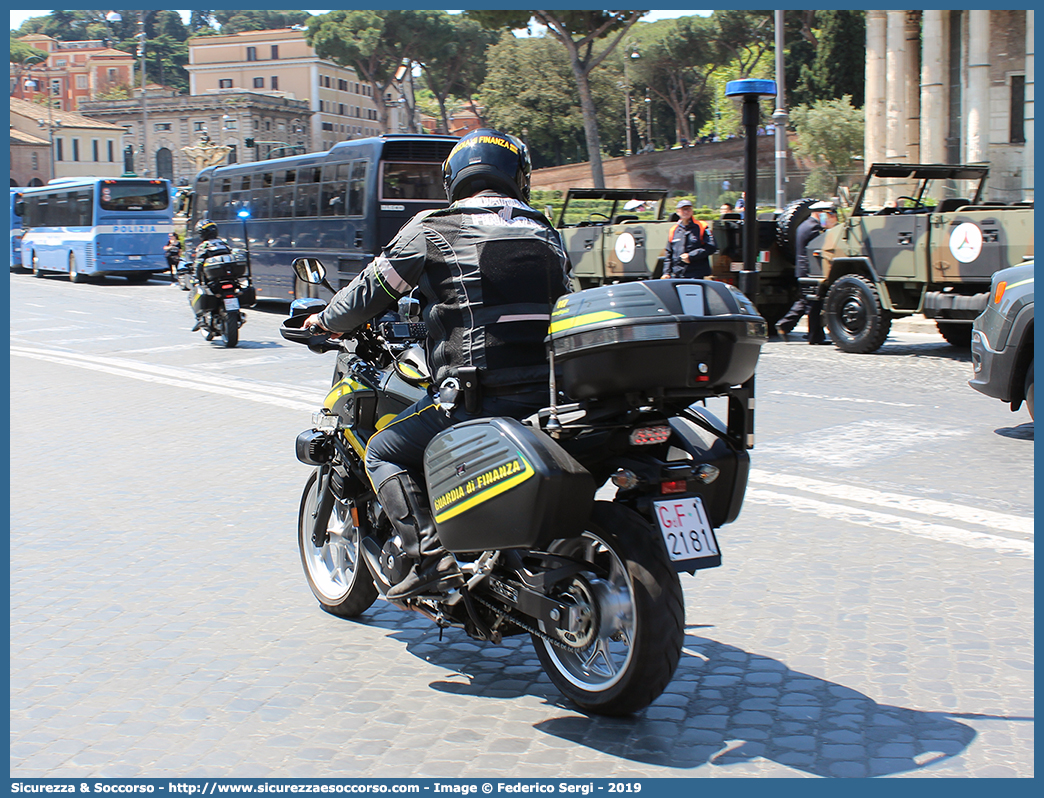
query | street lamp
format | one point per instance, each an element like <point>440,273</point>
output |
<point>32,84</point>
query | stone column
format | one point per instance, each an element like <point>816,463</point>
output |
<point>911,73</point>
<point>1027,169</point>
<point>934,99</point>
<point>895,87</point>
<point>977,103</point>
<point>874,137</point>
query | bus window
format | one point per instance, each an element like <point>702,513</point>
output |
<point>58,211</point>
<point>262,200</point>
<point>306,205</point>
<point>415,181</point>
<point>357,189</point>
<point>84,208</point>
<point>283,194</point>
<point>335,184</point>
<point>134,195</point>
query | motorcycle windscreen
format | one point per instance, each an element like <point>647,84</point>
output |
<point>495,483</point>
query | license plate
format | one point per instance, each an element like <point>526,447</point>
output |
<point>231,303</point>
<point>134,257</point>
<point>687,532</point>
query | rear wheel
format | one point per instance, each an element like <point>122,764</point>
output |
<point>336,574</point>
<point>230,329</point>
<point>626,647</point>
<point>956,333</point>
<point>854,315</point>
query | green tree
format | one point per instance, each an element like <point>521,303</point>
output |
<point>374,43</point>
<point>677,58</point>
<point>744,38</point>
<point>578,32</point>
<point>830,134</point>
<point>837,66</point>
<point>454,60</point>
<point>238,21</point>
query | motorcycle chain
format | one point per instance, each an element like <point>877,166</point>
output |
<point>502,610</point>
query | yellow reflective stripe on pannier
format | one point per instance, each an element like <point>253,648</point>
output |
<point>503,478</point>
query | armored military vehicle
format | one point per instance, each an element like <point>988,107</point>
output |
<point>919,239</point>
<point>615,235</point>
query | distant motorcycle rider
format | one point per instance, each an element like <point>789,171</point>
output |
<point>488,269</point>
<point>209,246</point>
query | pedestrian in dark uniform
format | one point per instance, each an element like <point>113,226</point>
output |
<point>689,246</point>
<point>823,217</point>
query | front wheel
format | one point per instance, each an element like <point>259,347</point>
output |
<point>336,574</point>
<point>1027,390</point>
<point>854,315</point>
<point>230,328</point>
<point>628,642</point>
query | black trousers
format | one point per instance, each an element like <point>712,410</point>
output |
<point>399,447</point>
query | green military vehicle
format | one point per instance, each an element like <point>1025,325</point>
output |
<point>614,235</point>
<point>919,239</point>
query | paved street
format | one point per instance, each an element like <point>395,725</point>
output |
<point>873,616</point>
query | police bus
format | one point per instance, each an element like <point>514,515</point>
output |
<point>16,231</point>
<point>86,226</point>
<point>341,206</point>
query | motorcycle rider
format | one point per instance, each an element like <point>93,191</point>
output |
<point>489,268</point>
<point>209,246</point>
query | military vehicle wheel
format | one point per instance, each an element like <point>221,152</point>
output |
<point>787,224</point>
<point>854,316</point>
<point>956,333</point>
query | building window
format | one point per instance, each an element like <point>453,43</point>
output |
<point>232,158</point>
<point>225,84</point>
<point>275,82</point>
<point>259,83</point>
<point>199,126</point>
<point>275,52</point>
<point>342,85</point>
<point>81,81</point>
<point>230,124</point>
<point>35,157</point>
<point>340,109</point>
<point>94,148</point>
<point>251,56</point>
<point>111,151</point>
<point>1018,109</point>
<point>59,154</point>
<point>162,126</point>
<point>113,75</point>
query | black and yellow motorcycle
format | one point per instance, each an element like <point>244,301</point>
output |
<point>593,582</point>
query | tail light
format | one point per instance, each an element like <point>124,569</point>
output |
<point>647,436</point>
<point>674,486</point>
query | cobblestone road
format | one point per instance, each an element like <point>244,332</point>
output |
<point>874,615</point>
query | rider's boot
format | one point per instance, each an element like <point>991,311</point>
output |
<point>407,508</point>
<point>200,320</point>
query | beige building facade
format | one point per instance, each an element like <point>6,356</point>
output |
<point>953,87</point>
<point>280,63</point>
<point>83,147</point>
<point>229,118</point>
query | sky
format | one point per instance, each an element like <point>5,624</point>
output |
<point>18,17</point>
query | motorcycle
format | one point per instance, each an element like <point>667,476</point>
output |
<point>218,299</point>
<point>594,583</point>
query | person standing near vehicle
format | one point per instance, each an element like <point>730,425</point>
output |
<point>689,246</point>
<point>172,251</point>
<point>823,216</point>
<point>489,269</point>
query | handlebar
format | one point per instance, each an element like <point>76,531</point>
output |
<point>378,336</point>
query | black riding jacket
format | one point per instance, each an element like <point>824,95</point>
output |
<point>488,269</point>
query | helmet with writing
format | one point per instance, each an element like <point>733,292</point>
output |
<point>487,159</point>
<point>206,230</point>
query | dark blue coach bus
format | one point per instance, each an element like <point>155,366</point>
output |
<point>340,206</point>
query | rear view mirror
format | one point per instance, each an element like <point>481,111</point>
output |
<point>310,270</point>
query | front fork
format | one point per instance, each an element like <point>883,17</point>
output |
<point>323,506</point>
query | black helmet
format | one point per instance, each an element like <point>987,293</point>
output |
<point>206,230</point>
<point>487,159</point>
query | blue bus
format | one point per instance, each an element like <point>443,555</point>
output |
<point>341,206</point>
<point>16,232</point>
<point>86,226</point>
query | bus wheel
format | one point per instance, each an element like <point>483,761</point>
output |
<point>37,271</point>
<point>75,276</point>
